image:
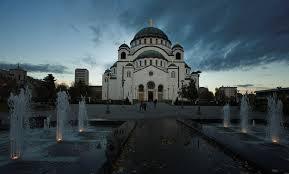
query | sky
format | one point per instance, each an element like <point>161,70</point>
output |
<point>243,43</point>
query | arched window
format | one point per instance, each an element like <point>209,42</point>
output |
<point>151,85</point>
<point>178,56</point>
<point>145,62</point>
<point>151,40</point>
<point>145,41</point>
<point>161,63</point>
<point>173,74</point>
<point>156,62</point>
<point>139,42</point>
<point>157,41</point>
<point>123,55</point>
<point>140,63</point>
<point>160,88</point>
<point>140,88</point>
<point>161,41</point>
<point>128,74</point>
<point>151,62</point>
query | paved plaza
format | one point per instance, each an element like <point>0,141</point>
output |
<point>132,112</point>
<point>164,146</point>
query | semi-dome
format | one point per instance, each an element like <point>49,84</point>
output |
<point>123,46</point>
<point>151,32</point>
<point>150,54</point>
<point>107,71</point>
<point>177,46</point>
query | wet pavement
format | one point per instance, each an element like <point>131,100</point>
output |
<point>166,146</point>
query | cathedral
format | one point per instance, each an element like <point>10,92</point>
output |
<point>150,68</point>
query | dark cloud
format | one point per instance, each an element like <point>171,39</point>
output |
<point>245,85</point>
<point>74,28</point>
<point>96,30</point>
<point>89,60</point>
<point>36,68</point>
<point>219,35</point>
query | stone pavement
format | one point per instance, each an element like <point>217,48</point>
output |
<point>131,112</point>
<point>163,110</point>
<point>163,146</point>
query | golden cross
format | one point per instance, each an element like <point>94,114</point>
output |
<point>150,22</point>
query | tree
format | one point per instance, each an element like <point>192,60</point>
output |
<point>77,90</point>
<point>189,91</point>
<point>220,96</point>
<point>206,95</point>
<point>50,87</point>
<point>61,87</point>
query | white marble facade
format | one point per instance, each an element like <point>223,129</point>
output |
<point>150,68</point>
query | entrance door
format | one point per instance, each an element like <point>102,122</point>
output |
<point>141,96</point>
<point>150,96</point>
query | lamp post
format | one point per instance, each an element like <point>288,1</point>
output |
<point>122,83</point>
<point>199,107</point>
<point>182,82</point>
<point>168,93</point>
<point>108,73</point>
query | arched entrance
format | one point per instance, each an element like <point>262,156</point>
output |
<point>160,92</point>
<point>151,87</point>
<point>141,93</point>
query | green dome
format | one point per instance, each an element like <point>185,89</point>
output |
<point>151,32</point>
<point>151,54</point>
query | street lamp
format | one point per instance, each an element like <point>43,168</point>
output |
<point>182,82</point>
<point>108,73</point>
<point>199,107</point>
<point>122,83</point>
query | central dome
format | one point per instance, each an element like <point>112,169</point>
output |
<point>151,32</point>
<point>150,54</point>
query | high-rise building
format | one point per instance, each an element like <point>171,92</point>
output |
<point>82,75</point>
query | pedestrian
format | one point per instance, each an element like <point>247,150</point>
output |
<point>145,106</point>
<point>141,106</point>
<point>155,103</point>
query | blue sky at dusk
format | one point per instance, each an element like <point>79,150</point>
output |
<point>234,43</point>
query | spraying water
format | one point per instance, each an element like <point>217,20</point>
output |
<point>82,115</point>
<point>19,120</point>
<point>62,113</point>
<point>226,112</point>
<point>275,113</point>
<point>244,114</point>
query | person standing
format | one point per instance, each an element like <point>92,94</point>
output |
<point>155,103</point>
<point>141,107</point>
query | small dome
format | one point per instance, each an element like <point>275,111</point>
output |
<point>123,46</point>
<point>107,71</point>
<point>150,54</point>
<point>177,46</point>
<point>129,64</point>
<point>172,65</point>
<point>151,32</point>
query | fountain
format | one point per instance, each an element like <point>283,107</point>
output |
<point>275,113</point>
<point>253,123</point>
<point>244,114</point>
<point>82,115</point>
<point>19,113</point>
<point>226,111</point>
<point>62,111</point>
